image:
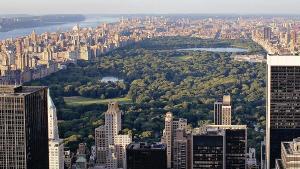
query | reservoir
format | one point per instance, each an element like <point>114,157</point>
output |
<point>224,50</point>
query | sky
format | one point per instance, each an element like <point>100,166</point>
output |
<point>149,6</point>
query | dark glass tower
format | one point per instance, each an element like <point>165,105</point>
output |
<point>145,156</point>
<point>236,148</point>
<point>208,151</point>
<point>23,127</point>
<point>220,147</point>
<point>283,104</point>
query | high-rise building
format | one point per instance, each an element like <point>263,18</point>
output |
<point>110,144</point>
<point>263,163</point>
<point>24,127</point>
<point>112,122</point>
<point>283,104</point>
<point>121,141</point>
<point>222,111</point>
<point>290,155</point>
<point>218,112</point>
<point>209,150</point>
<point>226,110</point>
<point>294,38</point>
<point>220,147</point>
<point>56,146</point>
<point>182,150</point>
<point>169,135</point>
<point>146,156</point>
<point>56,154</point>
<point>267,33</point>
<point>68,156</point>
<point>100,143</point>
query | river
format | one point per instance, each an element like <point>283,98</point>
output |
<point>90,21</point>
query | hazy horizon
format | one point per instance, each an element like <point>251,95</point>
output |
<point>237,7</point>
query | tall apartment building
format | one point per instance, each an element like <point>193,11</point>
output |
<point>112,122</point>
<point>100,144</point>
<point>146,156</point>
<point>222,111</point>
<point>267,33</point>
<point>182,150</point>
<point>290,155</point>
<point>169,136</point>
<point>283,104</point>
<point>220,147</point>
<point>121,141</point>
<point>56,146</point>
<point>110,144</point>
<point>68,156</point>
<point>218,112</point>
<point>263,163</point>
<point>24,127</point>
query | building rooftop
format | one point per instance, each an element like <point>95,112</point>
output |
<point>228,126</point>
<point>12,90</point>
<point>146,146</point>
<point>293,147</point>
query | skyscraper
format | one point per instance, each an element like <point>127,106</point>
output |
<point>24,127</point>
<point>283,104</point>
<point>100,143</point>
<point>226,110</point>
<point>222,111</point>
<point>209,150</point>
<point>146,156</point>
<point>218,112</point>
<point>112,122</point>
<point>169,135</point>
<point>182,149</point>
<point>267,33</point>
<point>56,146</point>
<point>220,147</point>
<point>110,144</point>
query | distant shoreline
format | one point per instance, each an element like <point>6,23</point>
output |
<point>89,21</point>
<point>14,23</point>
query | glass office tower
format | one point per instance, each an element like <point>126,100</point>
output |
<point>283,104</point>
<point>23,127</point>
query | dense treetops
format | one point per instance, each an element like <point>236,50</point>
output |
<point>158,79</point>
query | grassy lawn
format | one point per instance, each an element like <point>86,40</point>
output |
<point>83,101</point>
<point>184,58</point>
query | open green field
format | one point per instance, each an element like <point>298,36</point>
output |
<point>83,101</point>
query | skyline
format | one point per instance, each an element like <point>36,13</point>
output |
<point>151,7</point>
